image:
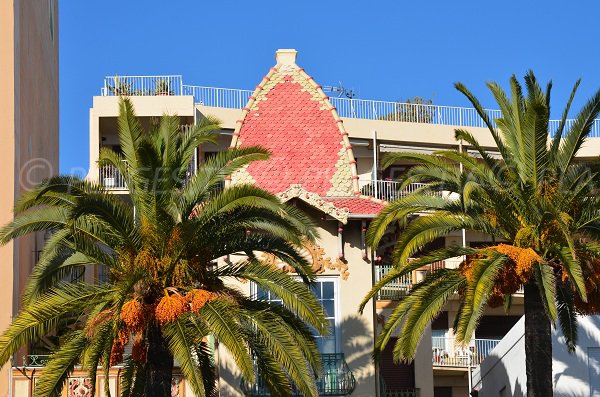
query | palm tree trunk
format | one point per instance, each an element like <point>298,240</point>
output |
<point>159,365</point>
<point>538,344</point>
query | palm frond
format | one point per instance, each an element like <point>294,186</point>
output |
<point>567,315</point>
<point>60,365</point>
<point>182,340</point>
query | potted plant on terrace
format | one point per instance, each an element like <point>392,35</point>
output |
<point>163,87</point>
<point>121,87</point>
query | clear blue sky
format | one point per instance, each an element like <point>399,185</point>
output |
<point>388,50</point>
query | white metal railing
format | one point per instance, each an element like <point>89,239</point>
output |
<point>142,85</point>
<point>400,287</point>
<point>218,97</point>
<point>410,112</point>
<point>35,360</point>
<point>594,132</point>
<point>393,290</point>
<point>521,290</point>
<point>111,178</point>
<point>388,189</point>
<point>447,352</point>
<point>235,98</point>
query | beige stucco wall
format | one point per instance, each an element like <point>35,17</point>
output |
<point>28,130</point>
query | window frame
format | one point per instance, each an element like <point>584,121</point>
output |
<point>336,302</point>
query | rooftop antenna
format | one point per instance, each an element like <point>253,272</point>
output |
<point>340,90</point>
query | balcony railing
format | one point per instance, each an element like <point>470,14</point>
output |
<point>447,352</point>
<point>401,393</point>
<point>388,190</point>
<point>35,360</point>
<point>111,178</point>
<point>385,392</point>
<point>336,380</point>
<point>400,287</point>
<point>396,289</point>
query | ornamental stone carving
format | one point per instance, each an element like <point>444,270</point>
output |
<point>313,199</point>
<point>315,255</point>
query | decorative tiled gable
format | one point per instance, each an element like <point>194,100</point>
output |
<point>291,116</point>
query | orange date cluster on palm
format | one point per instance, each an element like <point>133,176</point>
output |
<point>139,350</point>
<point>136,315</point>
<point>118,347</point>
<point>516,271</point>
<point>170,307</point>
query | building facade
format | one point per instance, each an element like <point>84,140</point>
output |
<point>325,156</point>
<point>28,133</point>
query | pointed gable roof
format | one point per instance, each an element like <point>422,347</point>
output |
<point>311,154</point>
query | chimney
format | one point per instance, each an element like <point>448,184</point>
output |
<point>286,57</point>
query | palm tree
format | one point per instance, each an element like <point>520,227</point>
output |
<point>536,202</point>
<point>167,289</point>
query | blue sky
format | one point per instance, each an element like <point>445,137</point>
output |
<point>388,50</point>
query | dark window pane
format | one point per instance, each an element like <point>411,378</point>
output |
<point>332,327</point>
<point>316,289</point>
<point>262,294</point>
<point>328,290</point>
<point>329,307</point>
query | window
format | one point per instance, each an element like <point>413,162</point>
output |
<point>326,291</point>
<point>439,346</point>
<point>439,337</point>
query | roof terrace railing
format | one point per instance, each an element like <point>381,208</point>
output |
<point>218,97</point>
<point>233,98</point>
<point>142,85</point>
<point>410,112</point>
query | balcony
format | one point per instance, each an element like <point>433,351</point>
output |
<point>111,179</point>
<point>389,190</point>
<point>336,379</point>
<point>447,352</point>
<point>397,289</point>
<point>233,98</point>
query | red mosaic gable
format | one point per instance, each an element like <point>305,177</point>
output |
<point>311,155</point>
<point>303,138</point>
